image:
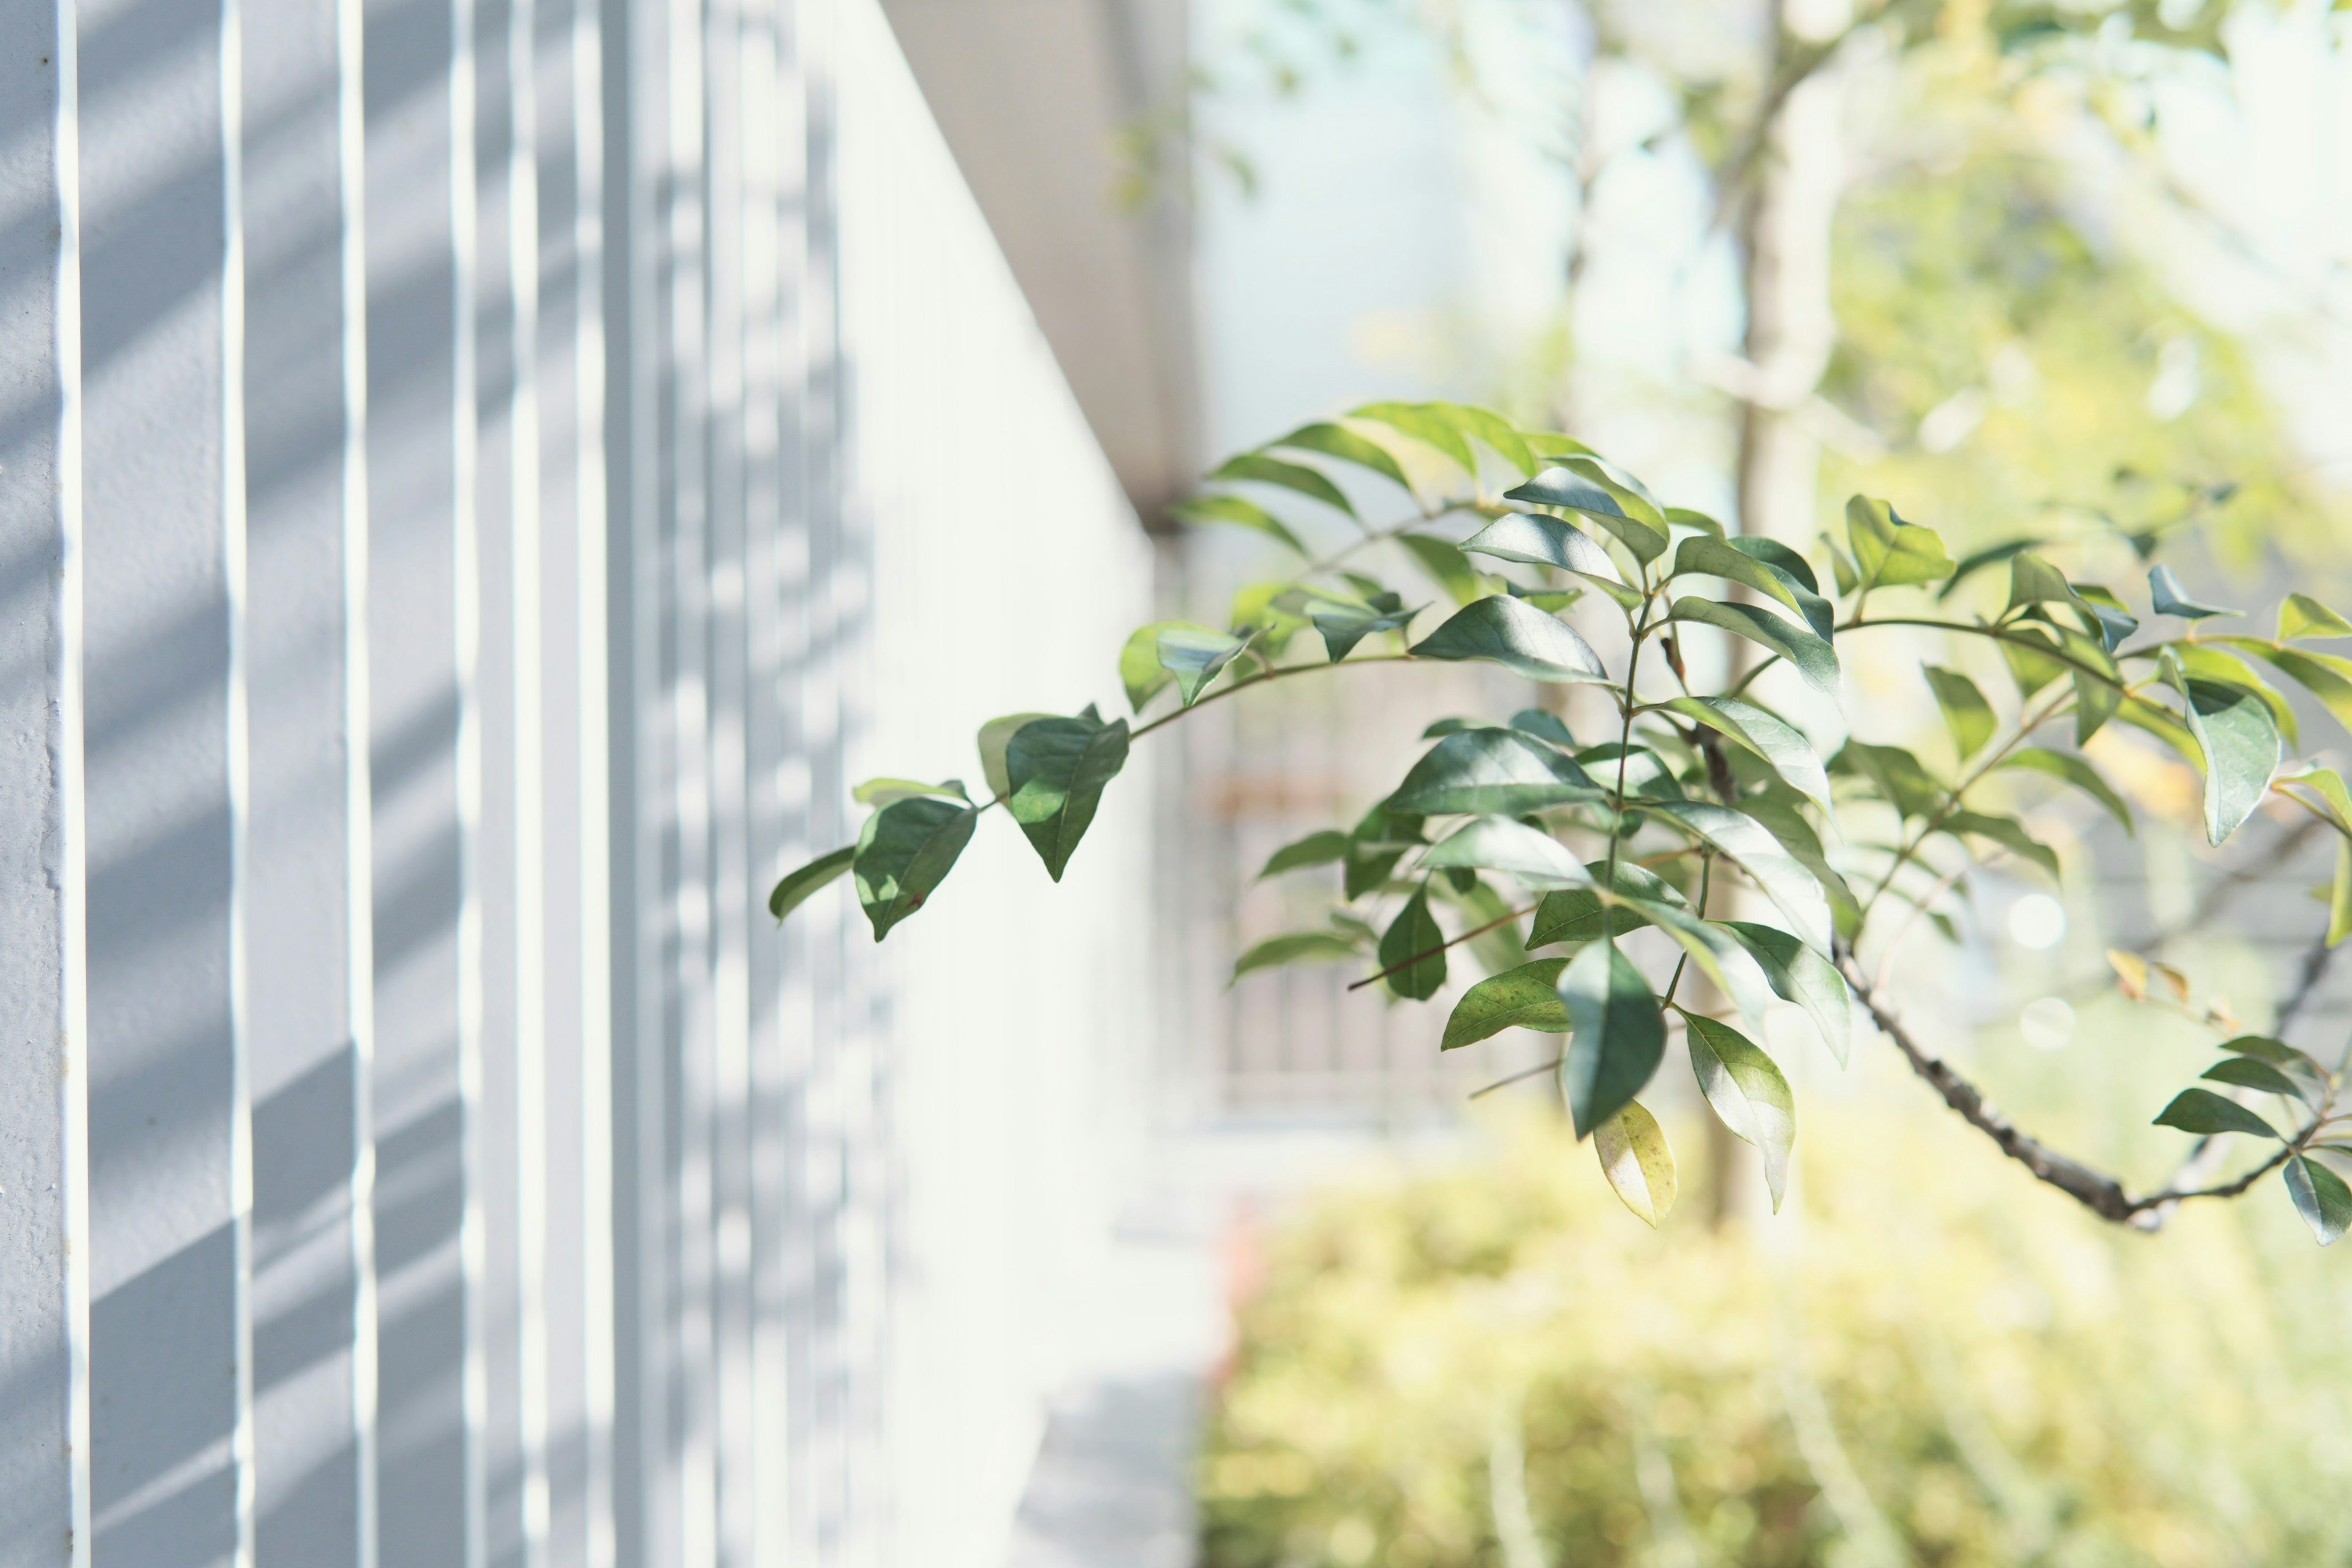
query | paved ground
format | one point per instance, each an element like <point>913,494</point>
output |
<point>1112,1487</point>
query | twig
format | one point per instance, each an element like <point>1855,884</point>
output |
<point>1551,1066</point>
<point>1441,947</point>
<point>2102,1194</point>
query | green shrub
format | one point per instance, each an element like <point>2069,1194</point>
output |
<point>1922,1361</point>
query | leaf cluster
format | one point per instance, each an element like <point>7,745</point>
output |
<point>1621,847</point>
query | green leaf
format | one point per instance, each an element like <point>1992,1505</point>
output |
<point>1890,553</point>
<point>2164,591</point>
<point>1543,726</point>
<point>2202,661</point>
<point>1500,436</point>
<point>2201,1111</point>
<point>1727,560</point>
<point>1417,421</point>
<point>1901,780</point>
<point>2320,1197</point>
<point>1242,514</point>
<point>1296,947</point>
<point>995,736</point>
<point>1534,539</point>
<point>1259,469</point>
<point>1798,975</point>
<point>1582,485</point>
<point>1196,655</point>
<point>1617,1035</point>
<point>1444,562</point>
<point>1841,566</point>
<point>1058,768</point>
<point>2075,771</point>
<point>1777,810</point>
<point>2302,617</point>
<point>2033,581</point>
<point>2277,1052</point>
<point>1524,998</point>
<point>2234,729</point>
<point>2115,620</point>
<point>1139,669</point>
<point>1492,772</point>
<point>2326,676</point>
<point>1322,848</point>
<point>1343,628</point>
<point>1966,712</point>
<point>1785,881</point>
<point>2007,832</point>
<point>1497,948</point>
<point>1574,914</point>
<point>1811,654</point>
<point>2033,669</point>
<point>2098,683</point>
<point>1976,560</point>
<point>2245,1072</point>
<point>1775,554</point>
<point>1684,517</point>
<point>795,889</point>
<point>1513,634</point>
<point>905,851</point>
<point>2328,785</point>
<point>1720,956</point>
<point>1338,441</point>
<point>1414,942</point>
<point>1375,845</point>
<point>1747,1092</point>
<point>2339,898</point>
<point>1637,1162</point>
<point>882,792</point>
<point>1501,844</point>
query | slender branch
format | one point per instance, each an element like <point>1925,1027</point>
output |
<point>1520,1077</point>
<point>2026,725</point>
<point>2102,1194</point>
<point>1441,947</point>
<point>1274,672</point>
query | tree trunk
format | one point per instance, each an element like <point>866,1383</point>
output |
<point>1785,233</point>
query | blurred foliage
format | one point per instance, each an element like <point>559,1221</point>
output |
<point>2020,366</point>
<point>1920,1361</point>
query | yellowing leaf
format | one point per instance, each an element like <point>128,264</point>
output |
<point>2131,972</point>
<point>1639,1164</point>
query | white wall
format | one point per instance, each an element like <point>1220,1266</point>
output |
<point>480,481</point>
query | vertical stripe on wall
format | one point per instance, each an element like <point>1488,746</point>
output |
<point>167,1358</point>
<point>44,1516</point>
<point>445,609</point>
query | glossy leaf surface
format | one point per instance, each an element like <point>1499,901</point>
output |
<point>1058,768</point>
<point>1527,997</point>
<point>903,853</point>
<point>1638,1163</point>
<point>1518,637</point>
<point>1414,942</point>
<point>1492,772</point>
<point>1617,1035</point>
<point>1747,1091</point>
<point>795,889</point>
<point>1810,655</point>
<point>2202,1111</point>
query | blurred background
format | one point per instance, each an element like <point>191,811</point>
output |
<point>2074,271</point>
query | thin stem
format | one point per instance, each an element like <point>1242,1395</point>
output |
<point>2026,725</point>
<point>2102,1194</point>
<point>1521,1077</point>
<point>1441,947</point>
<point>1276,672</point>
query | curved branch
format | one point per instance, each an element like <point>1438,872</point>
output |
<point>2102,1194</point>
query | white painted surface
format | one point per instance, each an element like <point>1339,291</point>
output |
<point>538,454</point>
